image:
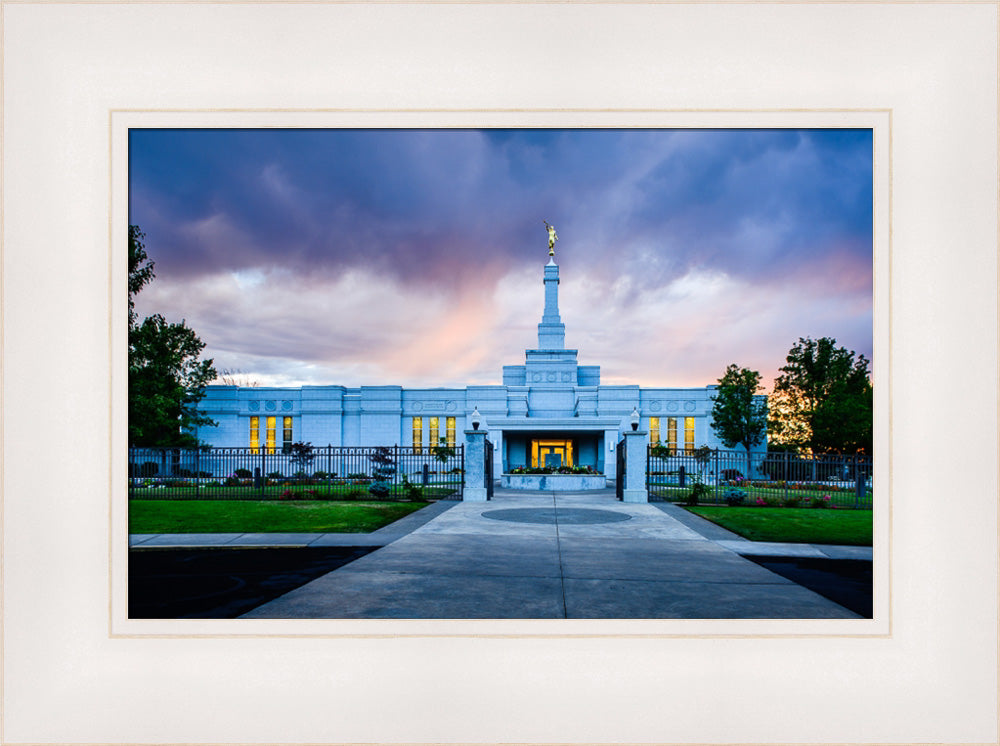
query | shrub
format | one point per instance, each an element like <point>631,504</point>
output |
<point>698,490</point>
<point>383,471</point>
<point>145,470</point>
<point>359,475</point>
<point>232,481</point>
<point>322,475</point>
<point>290,495</point>
<point>819,502</point>
<point>732,475</point>
<point>412,491</point>
<point>275,475</point>
<point>243,473</point>
<point>792,501</point>
<point>734,496</point>
<point>661,451</point>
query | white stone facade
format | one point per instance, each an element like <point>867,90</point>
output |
<point>549,407</point>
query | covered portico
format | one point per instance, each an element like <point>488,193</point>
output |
<point>576,441</point>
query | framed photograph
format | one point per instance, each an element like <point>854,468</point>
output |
<point>78,79</point>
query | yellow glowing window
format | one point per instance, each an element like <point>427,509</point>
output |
<point>551,452</point>
<point>255,434</point>
<point>418,434</point>
<point>269,443</point>
<point>450,431</point>
<point>286,435</point>
<point>654,430</point>
<point>433,425</point>
<point>689,433</point>
<point>672,432</point>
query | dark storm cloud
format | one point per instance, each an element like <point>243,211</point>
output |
<point>414,203</point>
<point>642,215</point>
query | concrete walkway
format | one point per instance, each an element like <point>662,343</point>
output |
<point>544,556</point>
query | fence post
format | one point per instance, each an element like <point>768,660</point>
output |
<point>785,480</point>
<point>636,455</point>
<point>716,480</point>
<point>857,483</point>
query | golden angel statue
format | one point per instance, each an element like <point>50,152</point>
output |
<point>552,237</point>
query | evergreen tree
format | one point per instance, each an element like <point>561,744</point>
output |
<point>166,379</point>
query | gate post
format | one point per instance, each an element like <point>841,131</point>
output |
<point>635,468</point>
<point>474,489</point>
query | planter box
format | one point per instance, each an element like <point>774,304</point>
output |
<point>554,482</point>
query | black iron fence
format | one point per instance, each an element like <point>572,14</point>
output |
<point>620,461</point>
<point>488,468</point>
<point>711,476</point>
<point>328,472</point>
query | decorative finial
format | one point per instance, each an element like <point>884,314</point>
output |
<point>552,237</point>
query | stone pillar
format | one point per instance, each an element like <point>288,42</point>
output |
<point>475,466</point>
<point>635,467</point>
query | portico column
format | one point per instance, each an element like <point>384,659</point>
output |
<point>635,468</point>
<point>475,466</point>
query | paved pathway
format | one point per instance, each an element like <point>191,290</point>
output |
<point>559,555</point>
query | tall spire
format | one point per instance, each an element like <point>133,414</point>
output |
<point>551,332</point>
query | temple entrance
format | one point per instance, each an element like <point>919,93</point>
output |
<point>551,452</point>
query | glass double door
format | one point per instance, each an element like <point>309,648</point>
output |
<point>549,452</point>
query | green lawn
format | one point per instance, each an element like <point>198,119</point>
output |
<point>808,526</point>
<point>246,516</point>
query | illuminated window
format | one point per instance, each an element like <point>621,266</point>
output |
<point>286,435</point>
<point>418,434</point>
<point>269,443</point>
<point>551,452</point>
<point>450,431</point>
<point>654,430</point>
<point>689,433</point>
<point>672,432</point>
<point>255,434</point>
<point>432,432</point>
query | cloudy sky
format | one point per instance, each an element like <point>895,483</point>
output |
<point>414,257</point>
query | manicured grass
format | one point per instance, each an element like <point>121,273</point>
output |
<point>246,516</point>
<point>808,526</point>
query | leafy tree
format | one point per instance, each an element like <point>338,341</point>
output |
<point>166,379</point>
<point>824,399</point>
<point>442,451</point>
<point>739,413</point>
<point>301,456</point>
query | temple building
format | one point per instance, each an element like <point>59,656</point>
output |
<point>548,410</point>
